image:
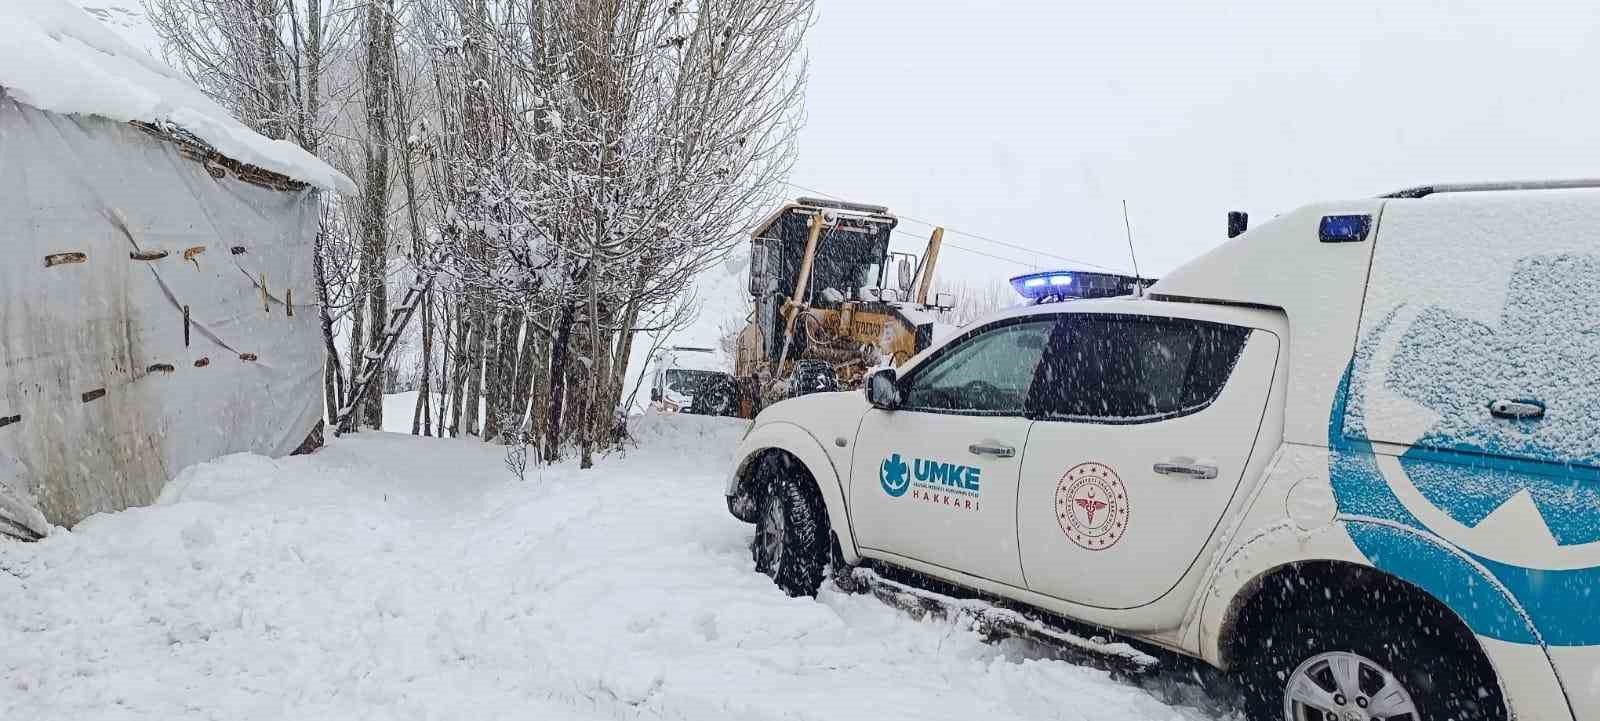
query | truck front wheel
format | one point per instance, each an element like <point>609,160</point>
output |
<point>791,542</point>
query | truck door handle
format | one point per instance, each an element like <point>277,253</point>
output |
<point>1200,471</point>
<point>1516,410</point>
<point>988,448</point>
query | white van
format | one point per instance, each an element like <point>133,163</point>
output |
<point>691,380</point>
<point>1352,454</point>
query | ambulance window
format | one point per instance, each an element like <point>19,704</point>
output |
<point>987,373</point>
<point>1134,369</point>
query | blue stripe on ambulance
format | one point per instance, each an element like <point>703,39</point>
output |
<point>1560,603</point>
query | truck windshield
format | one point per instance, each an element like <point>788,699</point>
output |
<point>847,261</point>
<point>688,382</point>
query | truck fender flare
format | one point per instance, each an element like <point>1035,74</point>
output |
<point>1283,545</point>
<point>799,443</point>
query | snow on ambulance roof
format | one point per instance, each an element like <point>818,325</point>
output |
<point>57,58</point>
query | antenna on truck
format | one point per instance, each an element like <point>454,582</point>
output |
<point>1138,284</point>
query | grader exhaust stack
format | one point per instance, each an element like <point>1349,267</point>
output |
<point>825,309</point>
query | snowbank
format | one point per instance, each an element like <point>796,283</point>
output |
<point>390,577</point>
<point>127,19</point>
<point>56,57</point>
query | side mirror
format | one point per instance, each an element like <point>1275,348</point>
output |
<point>1238,223</point>
<point>882,392</point>
<point>905,273</point>
<point>655,394</point>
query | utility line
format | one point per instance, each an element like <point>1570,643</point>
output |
<point>948,244</point>
<point>972,235</point>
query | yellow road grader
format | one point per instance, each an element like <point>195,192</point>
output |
<point>831,301</point>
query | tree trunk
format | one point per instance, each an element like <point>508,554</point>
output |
<point>312,136</point>
<point>602,414</point>
<point>472,401</point>
<point>375,210</point>
<point>446,389</point>
<point>419,254</point>
<point>491,377</point>
<point>591,405</point>
<point>477,133</point>
<point>464,333</point>
<point>505,411</point>
<point>624,353</point>
<point>274,122</point>
<point>523,377</point>
<point>358,320</point>
<point>332,375</point>
<point>558,374</point>
<point>422,423</point>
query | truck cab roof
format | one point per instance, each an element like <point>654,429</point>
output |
<point>1315,263</point>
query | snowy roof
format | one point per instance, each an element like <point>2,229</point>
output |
<point>56,57</point>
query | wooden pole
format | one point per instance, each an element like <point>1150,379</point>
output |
<point>929,258</point>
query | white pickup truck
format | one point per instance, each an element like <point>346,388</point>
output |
<point>1352,455</point>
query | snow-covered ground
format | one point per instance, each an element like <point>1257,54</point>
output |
<point>392,577</point>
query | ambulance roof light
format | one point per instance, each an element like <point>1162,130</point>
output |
<point>1053,285</point>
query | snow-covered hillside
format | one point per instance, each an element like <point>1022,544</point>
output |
<point>391,577</point>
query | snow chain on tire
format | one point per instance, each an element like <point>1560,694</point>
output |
<point>803,559</point>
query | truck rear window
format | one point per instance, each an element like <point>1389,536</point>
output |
<point>1134,369</point>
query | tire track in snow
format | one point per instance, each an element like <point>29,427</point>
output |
<point>394,577</point>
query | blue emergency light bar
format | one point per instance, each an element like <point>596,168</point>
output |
<point>1049,285</point>
<point>1344,228</point>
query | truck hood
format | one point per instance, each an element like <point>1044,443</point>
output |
<point>826,417</point>
<point>818,411</point>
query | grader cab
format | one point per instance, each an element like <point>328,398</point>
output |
<point>831,301</point>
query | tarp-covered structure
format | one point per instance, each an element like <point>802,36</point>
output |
<point>157,301</point>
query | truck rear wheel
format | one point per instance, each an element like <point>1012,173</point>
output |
<point>791,542</point>
<point>1343,661</point>
<point>719,397</point>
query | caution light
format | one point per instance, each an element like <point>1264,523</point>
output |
<point>1051,285</point>
<point>1344,228</point>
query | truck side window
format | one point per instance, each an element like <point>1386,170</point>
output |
<point>988,373</point>
<point>1107,368</point>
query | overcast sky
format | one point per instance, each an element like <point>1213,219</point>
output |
<point>1030,122</point>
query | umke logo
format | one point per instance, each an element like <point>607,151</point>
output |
<point>895,476</point>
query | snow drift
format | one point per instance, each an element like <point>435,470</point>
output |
<point>392,577</point>
<point>56,57</point>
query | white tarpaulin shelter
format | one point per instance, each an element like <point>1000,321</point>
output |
<point>157,304</point>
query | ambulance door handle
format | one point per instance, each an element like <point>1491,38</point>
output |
<point>1520,409</point>
<point>990,448</point>
<point>1199,471</point>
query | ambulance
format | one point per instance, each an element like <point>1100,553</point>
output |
<point>1350,456</point>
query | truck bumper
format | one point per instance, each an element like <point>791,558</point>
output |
<point>1536,691</point>
<point>1579,668</point>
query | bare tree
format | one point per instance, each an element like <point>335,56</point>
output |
<point>976,301</point>
<point>374,219</point>
<point>576,163</point>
